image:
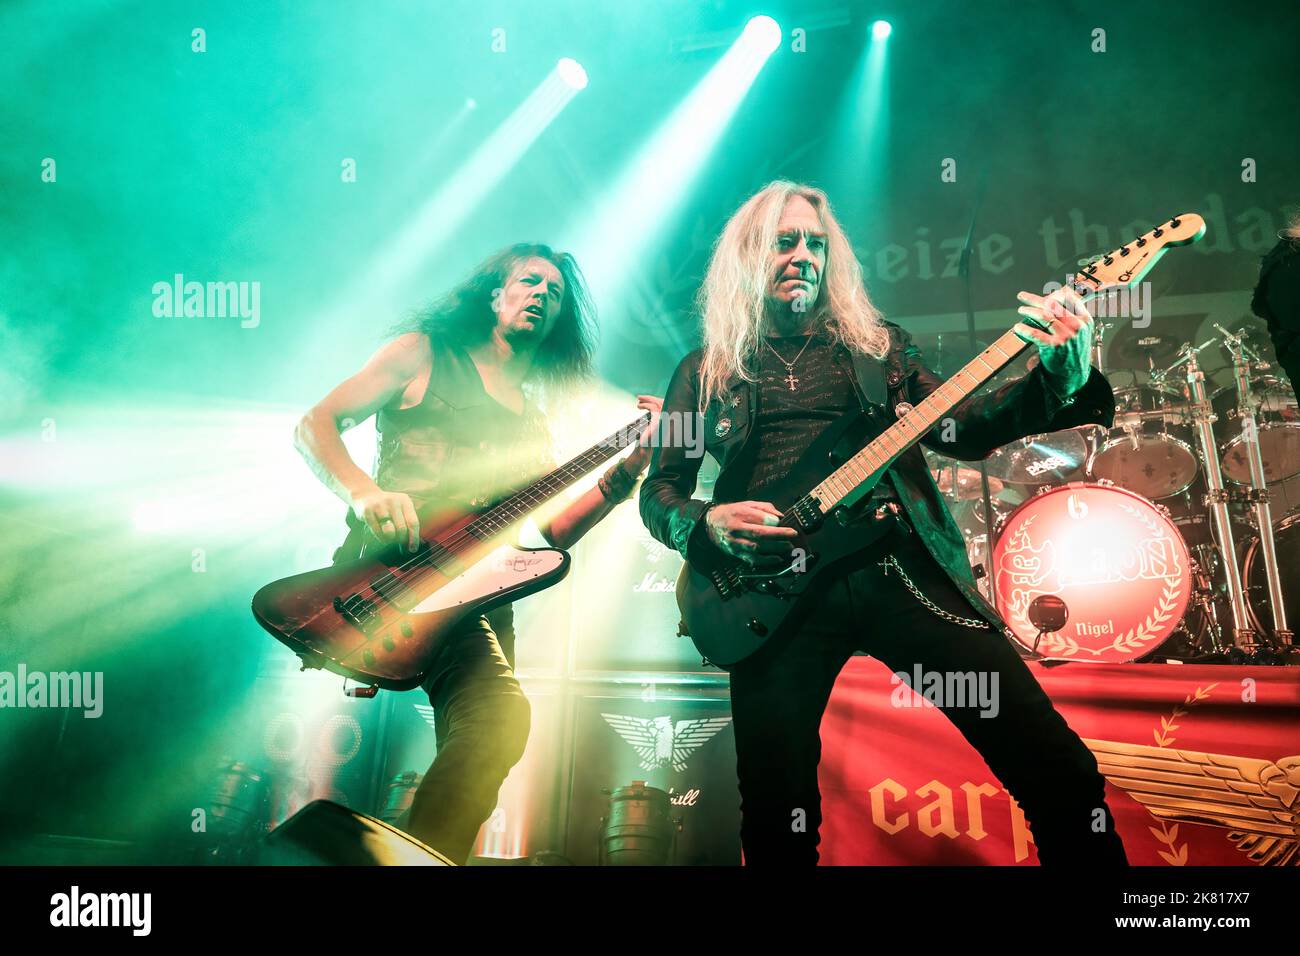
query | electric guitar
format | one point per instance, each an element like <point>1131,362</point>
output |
<point>380,617</point>
<point>731,609</point>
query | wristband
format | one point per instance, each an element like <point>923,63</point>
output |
<point>616,484</point>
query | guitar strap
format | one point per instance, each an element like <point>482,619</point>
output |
<point>870,374</point>
<point>353,545</point>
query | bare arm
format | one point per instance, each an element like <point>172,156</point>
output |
<point>564,530</point>
<point>317,436</point>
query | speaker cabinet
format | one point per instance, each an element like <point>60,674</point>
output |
<point>326,834</point>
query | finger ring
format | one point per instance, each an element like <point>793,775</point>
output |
<point>386,521</point>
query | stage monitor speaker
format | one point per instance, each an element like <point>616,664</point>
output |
<point>327,834</point>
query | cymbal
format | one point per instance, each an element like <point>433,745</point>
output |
<point>1048,459</point>
<point>967,484</point>
<point>1130,347</point>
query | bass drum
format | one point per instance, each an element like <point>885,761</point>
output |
<point>1116,561</point>
<point>1286,539</point>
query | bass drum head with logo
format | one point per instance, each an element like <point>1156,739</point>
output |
<point>1286,539</point>
<point>1116,561</point>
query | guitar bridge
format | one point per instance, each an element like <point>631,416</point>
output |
<point>359,612</point>
<point>727,581</point>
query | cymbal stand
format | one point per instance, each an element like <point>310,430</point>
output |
<point>1095,436</point>
<point>1258,495</point>
<point>1216,500</point>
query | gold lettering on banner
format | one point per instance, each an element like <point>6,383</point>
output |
<point>898,792</point>
<point>975,809</point>
<point>1020,835</point>
<point>1256,800</point>
<point>937,816</point>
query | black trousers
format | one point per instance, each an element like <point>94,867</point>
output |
<point>778,697</point>
<point>481,722</point>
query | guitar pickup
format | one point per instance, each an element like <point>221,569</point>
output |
<point>807,511</point>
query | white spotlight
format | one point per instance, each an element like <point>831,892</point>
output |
<point>763,34</point>
<point>572,73</point>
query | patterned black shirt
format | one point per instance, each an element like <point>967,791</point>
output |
<point>789,421</point>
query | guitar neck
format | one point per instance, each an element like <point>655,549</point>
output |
<point>514,509</point>
<point>847,483</point>
<point>1122,268</point>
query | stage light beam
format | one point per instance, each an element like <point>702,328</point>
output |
<point>379,283</point>
<point>859,140</point>
<point>611,242</point>
<point>572,73</point>
<point>763,34</point>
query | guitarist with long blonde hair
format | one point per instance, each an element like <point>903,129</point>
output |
<point>792,347</point>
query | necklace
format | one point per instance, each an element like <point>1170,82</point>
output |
<point>791,382</point>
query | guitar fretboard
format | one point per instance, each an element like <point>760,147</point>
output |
<point>845,485</point>
<point>517,506</point>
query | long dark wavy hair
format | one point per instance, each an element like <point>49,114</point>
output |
<point>466,316</point>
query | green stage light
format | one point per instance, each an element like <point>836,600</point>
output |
<point>859,130</point>
<point>378,286</point>
<point>635,210</point>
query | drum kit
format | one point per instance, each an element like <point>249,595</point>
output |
<point>1154,539</point>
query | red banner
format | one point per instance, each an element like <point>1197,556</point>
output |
<point>1202,767</point>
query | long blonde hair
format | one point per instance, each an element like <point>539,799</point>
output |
<point>732,300</point>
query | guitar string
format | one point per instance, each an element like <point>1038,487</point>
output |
<point>596,453</point>
<point>443,550</point>
<point>902,424</point>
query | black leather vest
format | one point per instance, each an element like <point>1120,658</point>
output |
<point>459,447</point>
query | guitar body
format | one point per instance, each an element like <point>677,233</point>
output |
<point>730,609</point>
<point>381,617</point>
<point>380,614</point>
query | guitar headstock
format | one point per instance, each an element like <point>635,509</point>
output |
<point>1124,267</point>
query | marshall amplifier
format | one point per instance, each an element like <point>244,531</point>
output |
<point>656,734</point>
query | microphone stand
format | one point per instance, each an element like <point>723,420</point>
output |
<point>963,270</point>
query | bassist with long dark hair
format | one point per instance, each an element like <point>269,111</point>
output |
<point>460,426</point>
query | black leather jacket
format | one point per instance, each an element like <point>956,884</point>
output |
<point>1277,300</point>
<point>984,423</point>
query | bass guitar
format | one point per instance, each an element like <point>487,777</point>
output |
<point>380,617</point>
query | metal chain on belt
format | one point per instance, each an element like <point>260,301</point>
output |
<point>891,562</point>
